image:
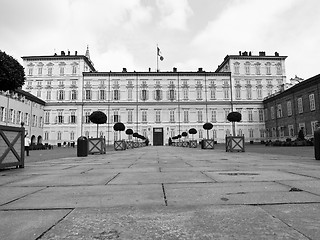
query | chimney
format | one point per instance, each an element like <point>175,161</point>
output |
<point>68,53</point>
<point>76,53</point>
<point>149,69</point>
<point>200,70</point>
<point>245,53</point>
<point>63,53</point>
<point>250,53</point>
<point>262,54</point>
<point>174,69</point>
<point>276,54</point>
<point>124,70</point>
<point>239,53</point>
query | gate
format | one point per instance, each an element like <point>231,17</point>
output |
<point>157,136</point>
<point>11,147</point>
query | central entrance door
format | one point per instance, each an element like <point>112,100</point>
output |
<point>157,136</point>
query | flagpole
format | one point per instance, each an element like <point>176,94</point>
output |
<point>157,58</point>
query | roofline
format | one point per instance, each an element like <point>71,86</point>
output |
<point>289,90</point>
<point>30,97</point>
<point>253,57</point>
<point>59,57</point>
<point>202,73</point>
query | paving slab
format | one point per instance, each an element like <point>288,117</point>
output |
<point>27,224</point>
<point>214,222</point>
<point>305,218</point>
<point>160,177</point>
<point>91,196</point>
<point>309,186</point>
<point>225,194</point>
<point>9,194</point>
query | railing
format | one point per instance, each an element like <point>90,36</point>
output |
<point>11,147</point>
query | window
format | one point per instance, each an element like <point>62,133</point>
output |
<point>212,93</point>
<point>71,135</point>
<point>74,69</point>
<point>300,106</point>
<point>257,68</point>
<point>247,68</point>
<point>250,115</point>
<point>46,136</point>
<point>261,115</point>
<point>199,93</point>
<point>47,117</point>
<point>49,71</point>
<point>158,116</point>
<point>185,116</point>
<point>171,114</point>
<point>261,133</point>
<point>259,93</point>
<point>30,71</point>
<point>116,117</point>
<point>291,130</point>
<point>249,92</point>
<point>226,93</point>
<point>144,116</point>
<point>86,117</point>
<point>39,93</point>
<point>314,126</point>
<point>289,108</point>
<point>130,116</point>
<point>268,68</point>
<point>129,94</point>
<point>270,91</point>
<point>250,133</point>
<point>88,94</point>
<point>238,93</point>
<point>312,102</point>
<point>171,94</point>
<point>102,94</point>
<point>279,69</point>
<point>226,112</point>
<point>272,112</point>
<point>236,68</point>
<point>158,95</point>
<point>213,116</point>
<point>59,135</point>
<point>61,70</point>
<point>281,131</point>
<point>200,116</point>
<point>279,111</point>
<point>40,71</point>
<point>60,94</point>
<point>200,133</point>
<point>60,116</point>
<point>73,94</point>
<point>116,95</point>
<point>73,117</point>
<point>144,94</point>
<point>185,93</point>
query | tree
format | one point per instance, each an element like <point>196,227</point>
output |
<point>11,73</point>
<point>119,126</point>
<point>129,131</point>
<point>207,126</point>
<point>98,117</point>
<point>192,131</point>
<point>234,117</point>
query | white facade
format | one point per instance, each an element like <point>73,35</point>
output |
<point>174,101</point>
<point>21,107</point>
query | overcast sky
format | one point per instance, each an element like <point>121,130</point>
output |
<point>190,33</point>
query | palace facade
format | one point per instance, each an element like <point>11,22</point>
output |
<point>151,102</point>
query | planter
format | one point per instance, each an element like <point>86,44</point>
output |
<point>179,144</point>
<point>119,145</point>
<point>129,144</point>
<point>96,145</point>
<point>135,144</point>
<point>193,144</point>
<point>185,144</point>
<point>207,144</point>
<point>234,144</point>
<point>173,144</point>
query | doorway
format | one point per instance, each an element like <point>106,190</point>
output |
<point>157,136</point>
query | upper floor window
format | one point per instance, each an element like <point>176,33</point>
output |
<point>49,71</point>
<point>236,68</point>
<point>185,116</point>
<point>226,93</point>
<point>247,67</point>
<point>279,69</point>
<point>130,116</point>
<point>261,115</point>
<point>30,72</point>
<point>171,115</point>
<point>73,117</point>
<point>250,115</point>
<point>158,116</point>
<point>144,116</point>
<point>200,116</point>
<point>61,95</point>
<point>39,70</point>
<point>88,94</point>
<point>312,102</point>
<point>74,69</point>
<point>171,94</point>
<point>144,94</point>
<point>158,95</point>
<point>199,93</point>
<point>86,117</point>
<point>102,94</point>
<point>272,112</point>
<point>259,93</point>
<point>249,93</point>
<point>61,70</point>
<point>289,108</point>
<point>268,68</point>
<point>257,66</point>
<point>213,116</point>
<point>279,111</point>
<point>300,105</point>
<point>212,93</point>
<point>73,94</point>
<point>116,94</point>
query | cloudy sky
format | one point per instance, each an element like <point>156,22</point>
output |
<point>190,33</point>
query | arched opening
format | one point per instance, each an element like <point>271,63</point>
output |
<point>33,140</point>
<point>39,139</point>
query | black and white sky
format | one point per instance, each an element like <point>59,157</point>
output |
<point>189,33</point>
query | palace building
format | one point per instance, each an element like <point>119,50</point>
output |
<point>150,102</point>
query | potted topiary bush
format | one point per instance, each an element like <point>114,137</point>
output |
<point>234,143</point>
<point>179,143</point>
<point>207,143</point>
<point>193,143</point>
<point>185,143</point>
<point>135,143</point>
<point>98,144</point>
<point>119,144</point>
<point>129,143</point>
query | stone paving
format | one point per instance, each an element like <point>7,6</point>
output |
<point>163,193</point>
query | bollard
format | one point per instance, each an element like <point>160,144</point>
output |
<point>317,144</point>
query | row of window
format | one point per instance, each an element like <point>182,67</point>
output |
<point>279,108</point>
<point>257,68</point>
<point>289,131</point>
<point>185,116</point>
<point>16,117</point>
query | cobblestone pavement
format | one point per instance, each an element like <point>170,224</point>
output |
<point>164,193</point>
